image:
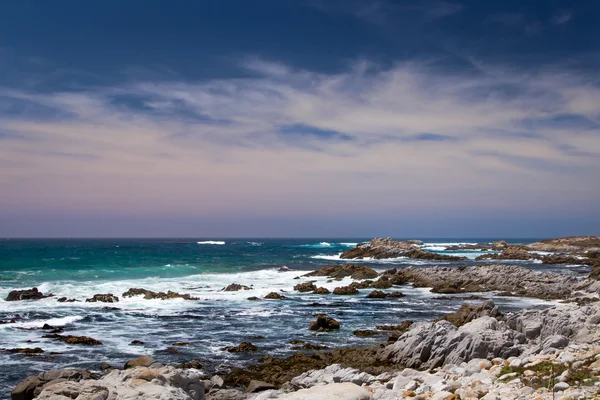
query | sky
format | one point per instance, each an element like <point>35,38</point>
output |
<point>298,118</point>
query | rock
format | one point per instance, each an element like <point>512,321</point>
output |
<point>484,278</point>
<point>468,313</point>
<point>234,287</point>
<point>567,244</point>
<point>244,347</point>
<point>305,287</point>
<point>383,282</point>
<point>29,294</point>
<point>342,271</point>
<point>560,386</point>
<point>389,248</point>
<point>378,294</point>
<point>259,386</point>
<point>217,381</point>
<point>274,296</point>
<point>66,300</point>
<point>367,333</point>
<point>561,259</point>
<point>283,269</point>
<point>70,339</point>
<point>194,364</point>
<point>25,389</point>
<point>333,391</point>
<point>321,290</point>
<point>309,346</point>
<point>25,351</point>
<point>142,361</point>
<point>149,295</point>
<point>324,324</point>
<point>104,298</point>
<point>555,342</point>
<point>253,298</point>
<point>345,290</point>
<point>510,252</point>
<point>136,342</point>
<point>499,245</point>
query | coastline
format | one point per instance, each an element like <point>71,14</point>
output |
<point>383,365</point>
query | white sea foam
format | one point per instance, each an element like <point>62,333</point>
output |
<point>368,259</point>
<point>40,323</point>
<point>349,244</point>
<point>217,242</point>
<point>254,243</point>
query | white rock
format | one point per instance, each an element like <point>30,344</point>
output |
<point>561,386</point>
<point>333,391</point>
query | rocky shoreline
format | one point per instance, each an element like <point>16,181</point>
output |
<point>475,352</point>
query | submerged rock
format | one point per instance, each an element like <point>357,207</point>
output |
<point>28,294</point>
<point>25,351</point>
<point>70,339</point>
<point>324,324</point>
<point>244,347</point>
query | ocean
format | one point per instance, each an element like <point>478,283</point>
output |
<point>80,268</point>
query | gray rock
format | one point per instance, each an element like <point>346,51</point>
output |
<point>334,391</point>
<point>259,386</point>
<point>25,389</point>
<point>555,341</point>
<point>142,361</point>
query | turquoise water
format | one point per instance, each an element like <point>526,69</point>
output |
<point>78,269</point>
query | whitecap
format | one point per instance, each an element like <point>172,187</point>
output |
<point>349,244</point>
<point>40,323</point>
<point>215,242</point>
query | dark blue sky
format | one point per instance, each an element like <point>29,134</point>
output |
<point>299,118</point>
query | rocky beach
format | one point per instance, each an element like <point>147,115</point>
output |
<point>476,348</point>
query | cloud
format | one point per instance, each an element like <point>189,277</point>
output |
<point>288,139</point>
<point>562,17</point>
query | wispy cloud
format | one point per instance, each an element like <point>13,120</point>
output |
<point>562,17</point>
<point>276,131</point>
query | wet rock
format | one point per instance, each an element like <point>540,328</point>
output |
<point>244,347</point>
<point>66,300</point>
<point>253,298</point>
<point>234,287</point>
<point>104,298</point>
<point>499,245</point>
<point>136,343</point>
<point>149,295</point>
<point>259,386</point>
<point>25,351</point>
<point>342,271</point>
<point>382,283</point>
<point>404,326</point>
<point>194,364</point>
<point>362,284</point>
<point>321,290</point>
<point>310,346</point>
<point>70,339</point>
<point>283,269</point>
<point>510,253</point>
<point>25,389</point>
<point>305,287</point>
<point>29,294</point>
<point>324,324</point>
<point>181,344</point>
<point>275,296</point>
<point>562,259</point>
<point>367,333</point>
<point>345,290</point>
<point>378,294</point>
<point>142,361</point>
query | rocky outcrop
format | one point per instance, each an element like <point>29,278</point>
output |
<point>562,259</point>
<point>324,323</point>
<point>305,287</point>
<point>389,248</point>
<point>32,386</point>
<point>345,290</point>
<point>378,294</point>
<point>235,287</point>
<point>567,244</point>
<point>162,383</point>
<point>28,294</point>
<point>510,253</point>
<point>141,361</point>
<point>25,351</point>
<point>70,339</point>
<point>103,298</point>
<point>499,245</point>
<point>244,347</point>
<point>468,312</point>
<point>513,279</point>
<point>342,271</point>
<point>149,295</point>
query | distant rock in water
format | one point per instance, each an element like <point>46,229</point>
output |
<point>275,296</point>
<point>28,294</point>
<point>510,253</point>
<point>244,347</point>
<point>69,339</point>
<point>149,295</point>
<point>234,287</point>
<point>305,287</point>
<point>342,271</point>
<point>321,290</point>
<point>388,248</point>
<point>567,244</point>
<point>324,324</point>
<point>345,290</point>
<point>103,298</point>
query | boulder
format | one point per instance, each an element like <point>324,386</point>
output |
<point>345,290</point>
<point>29,294</point>
<point>103,298</point>
<point>321,290</point>
<point>378,294</point>
<point>333,391</point>
<point>305,287</point>
<point>324,323</point>
<point>142,361</point>
<point>259,386</point>
<point>274,296</point>
<point>468,313</point>
<point>499,245</point>
<point>234,287</point>
<point>25,389</point>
